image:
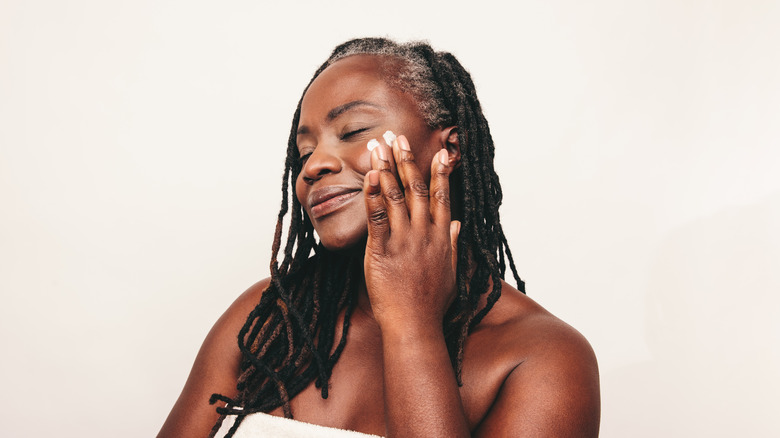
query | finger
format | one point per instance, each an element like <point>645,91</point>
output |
<point>378,222</point>
<point>395,202</point>
<point>415,186</point>
<point>440,188</point>
<point>454,233</point>
<point>387,156</point>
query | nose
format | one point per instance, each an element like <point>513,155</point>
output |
<point>320,163</point>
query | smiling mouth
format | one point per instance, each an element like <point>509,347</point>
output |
<point>330,204</point>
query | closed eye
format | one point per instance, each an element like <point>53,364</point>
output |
<point>351,134</point>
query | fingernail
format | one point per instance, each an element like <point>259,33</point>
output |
<point>403,143</point>
<point>382,153</point>
<point>373,178</point>
<point>443,157</point>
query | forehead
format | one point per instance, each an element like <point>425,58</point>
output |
<point>357,77</point>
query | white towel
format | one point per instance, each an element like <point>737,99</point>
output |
<point>270,426</point>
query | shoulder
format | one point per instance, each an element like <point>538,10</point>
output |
<point>532,327</point>
<point>215,370</point>
<point>528,332</point>
<point>245,303</point>
<point>551,380</point>
<point>222,339</point>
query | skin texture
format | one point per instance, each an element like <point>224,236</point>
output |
<point>525,372</point>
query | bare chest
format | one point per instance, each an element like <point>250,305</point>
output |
<point>356,396</point>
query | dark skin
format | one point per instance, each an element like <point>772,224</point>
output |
<point>525,372</point>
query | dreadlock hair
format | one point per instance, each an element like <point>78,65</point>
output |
<point>288,339</point>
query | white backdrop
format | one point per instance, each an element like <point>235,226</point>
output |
<point>141,151</point>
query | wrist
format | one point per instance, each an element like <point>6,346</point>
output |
<point>407,319</point>
<point>410,333</point>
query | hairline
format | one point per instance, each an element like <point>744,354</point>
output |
<point>392,77</point>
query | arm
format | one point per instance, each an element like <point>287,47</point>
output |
<point>215,371</point>
<point>552,389</point>
<point>553,392</point>
<point>410,279</point>
<point>422,397</point>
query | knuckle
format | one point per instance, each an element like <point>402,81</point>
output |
<point>442,196</point>
<point>394,194</point>
<point>378,216</point>
<point>442,172</point>
<point>419,188</point>
<point>375,195</point>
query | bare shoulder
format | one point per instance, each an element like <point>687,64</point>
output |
<point>530,328</point>
<point>550,383</point>
<point>215,370</point>
<point>245,303</point>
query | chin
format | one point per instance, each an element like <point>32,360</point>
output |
<point>344,242</point>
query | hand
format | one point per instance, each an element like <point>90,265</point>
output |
<point>411,254</point>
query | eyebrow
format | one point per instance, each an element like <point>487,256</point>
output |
<point>341,109</point>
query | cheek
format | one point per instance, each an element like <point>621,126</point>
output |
<point>423,156</point>
<point>300,190</point>
<point>357,159</point>
<point>424,164</point>
<point>363,161</point>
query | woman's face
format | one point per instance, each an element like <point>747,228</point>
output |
<point>345,107</point>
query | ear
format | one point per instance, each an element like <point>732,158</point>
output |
<point>449,140</point>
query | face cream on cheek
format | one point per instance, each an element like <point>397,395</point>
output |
<point>388,136</point>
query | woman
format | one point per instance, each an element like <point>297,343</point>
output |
<point>400,323</point>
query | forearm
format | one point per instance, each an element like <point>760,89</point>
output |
<point>421,393</point>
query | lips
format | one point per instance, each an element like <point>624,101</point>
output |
<point>329,199</point>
